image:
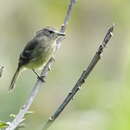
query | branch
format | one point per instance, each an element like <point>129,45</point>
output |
<point>20,116</point>
<point>1,70</point>
<point>82,78</point>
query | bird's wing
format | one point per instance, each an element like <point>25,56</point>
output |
<point>30,52</point>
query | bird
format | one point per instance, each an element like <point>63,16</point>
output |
<point>37,51</point>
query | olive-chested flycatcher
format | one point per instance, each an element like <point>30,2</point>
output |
<point>37,52</point>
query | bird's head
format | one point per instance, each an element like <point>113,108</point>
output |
<point>49,33</point>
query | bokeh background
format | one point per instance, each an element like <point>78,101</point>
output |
<point>104,101</point>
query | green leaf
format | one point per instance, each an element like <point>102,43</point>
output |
<point>3,124</point>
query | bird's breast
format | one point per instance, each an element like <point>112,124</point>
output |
<point>44,54</point>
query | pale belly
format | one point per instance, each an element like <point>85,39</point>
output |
<point>41,60</point>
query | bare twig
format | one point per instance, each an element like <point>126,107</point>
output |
<point>1,70</point>
<point>66,20</point>
<point>82,79</point>
<point>20,116</point>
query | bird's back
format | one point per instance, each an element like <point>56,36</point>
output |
<point>36,53</point>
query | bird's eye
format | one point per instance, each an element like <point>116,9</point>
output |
<point>51,32</point>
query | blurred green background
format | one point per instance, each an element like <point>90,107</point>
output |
<point>104,101</point>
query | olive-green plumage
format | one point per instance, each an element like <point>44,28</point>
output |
<point>37,52</point>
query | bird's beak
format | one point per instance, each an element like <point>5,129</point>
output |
<point>61,34</point>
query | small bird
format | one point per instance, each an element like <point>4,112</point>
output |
<point>37,52</point>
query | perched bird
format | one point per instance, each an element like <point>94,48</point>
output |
<point>37,52</point>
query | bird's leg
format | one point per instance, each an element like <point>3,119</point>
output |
<point>39,77</point>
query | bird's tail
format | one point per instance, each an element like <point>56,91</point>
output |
<point>12,85</point>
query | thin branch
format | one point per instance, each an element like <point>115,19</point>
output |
<point>82,78</point>
<point>1,70</point>
<point>66,20</point>
<point>20,116</point>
